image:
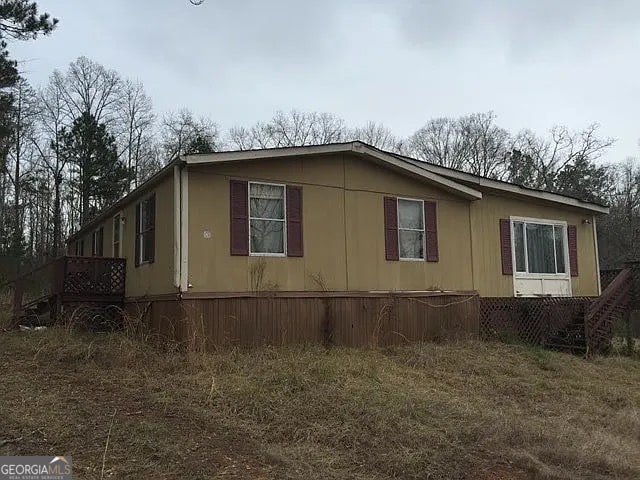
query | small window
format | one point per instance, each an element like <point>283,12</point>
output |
<point>80,247</point>
<point>539,247</point>
<point>97,242</point>
<point>117,241</point>
<point>411,229</point>
<point>145,237</point>
<point>267,219</point>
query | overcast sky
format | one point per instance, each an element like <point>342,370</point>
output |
<point>535,63</point>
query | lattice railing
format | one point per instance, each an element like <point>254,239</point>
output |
<point>529,320</point>
<point>94,276</point>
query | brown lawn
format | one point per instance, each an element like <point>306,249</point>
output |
<point>468,410</point>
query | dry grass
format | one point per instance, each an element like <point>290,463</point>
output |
<point>6,306</point>
<point>466,410</point>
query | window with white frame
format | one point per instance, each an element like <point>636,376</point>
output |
<point>540,247</point>
<point>97,242</point>
<point>411,229</point>
<point>267,225</point>
<point>145,235</point>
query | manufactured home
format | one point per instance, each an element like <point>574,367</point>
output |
<point>341,221</point>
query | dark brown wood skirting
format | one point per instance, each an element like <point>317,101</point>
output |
<point>329,318</point>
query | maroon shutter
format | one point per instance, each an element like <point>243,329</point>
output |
<point>239,217</point>
<point>294,221</point>
<point>137,244</point>
<point>94,238</point>
<point>151,233</point>
<point>391,228</point>
<point>100,251</point>
<point>431,231</point>
<point>572,240</point>
<point>505,247</point>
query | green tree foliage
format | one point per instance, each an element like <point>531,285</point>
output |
<point>100,178</point>
<point>19,20</point>
<point>199,144</point>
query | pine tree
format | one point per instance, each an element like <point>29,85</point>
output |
<point>199,144</point>
<point>19,20</point>
<point>100,177</point>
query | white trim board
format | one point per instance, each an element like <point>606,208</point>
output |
<point>545,280</point>
<point>184,229</point>
<point>512,188</point>
<point>442,176</point>
<point>177,218</point>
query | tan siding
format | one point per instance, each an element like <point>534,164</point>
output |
<point>211,266</point>
<point>343,234</point>
<point>343,226</point>
<point>155,278</point>
<point>149,279</point>
<point>487,266</point>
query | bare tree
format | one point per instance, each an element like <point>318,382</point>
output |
<point>486,145</point>
<point>89,87</point>
<point>290,130</point>
<point>50,162</point>
<point>549,155</point>
<point>619,232</point>
<point>441,141</point>
<point>20,152</point>
<point>135,132</point>
<point>377,135</point>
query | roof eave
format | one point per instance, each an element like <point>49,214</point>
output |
<point>518,190</point>
<point>117,206</point>
<point>351,147</point>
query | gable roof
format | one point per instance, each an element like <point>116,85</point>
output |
<point>357,148</point>
<point>451,180</point>
<point>507,187</point>
<point>448,178</point>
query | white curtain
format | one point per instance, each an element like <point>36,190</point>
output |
<point>518,242</point>
<point>540,251</point>
<point>267,218</point>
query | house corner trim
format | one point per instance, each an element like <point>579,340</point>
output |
<point>184,229</point>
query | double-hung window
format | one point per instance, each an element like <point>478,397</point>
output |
<point>145,230</point>
<point>540,247</point>
<point>117,240</point>
<point>97,242</point>
<point>267,219</point>
<point>411,229</point>
<point>80,247</point>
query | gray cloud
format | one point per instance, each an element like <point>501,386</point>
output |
<point>536,63</point>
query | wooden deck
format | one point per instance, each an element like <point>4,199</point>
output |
<point>69,279</point>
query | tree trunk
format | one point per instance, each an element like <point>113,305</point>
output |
<point>57,214</point>
<point>17,224</point>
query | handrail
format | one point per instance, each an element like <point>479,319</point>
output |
<point>614,298</point>
<point>49,279</point>
<point>70,276</point>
